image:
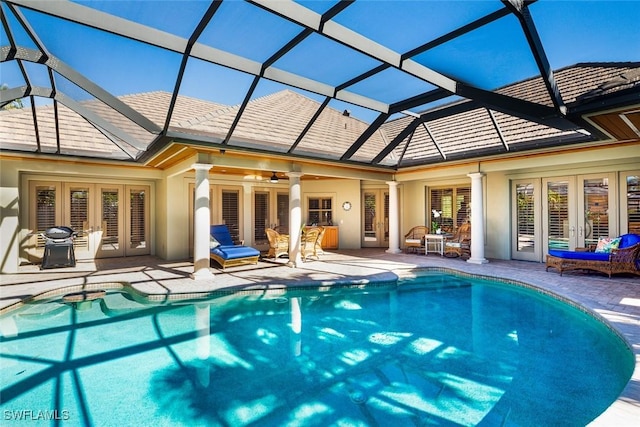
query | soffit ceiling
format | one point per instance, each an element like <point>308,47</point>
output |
<point>388,83</point>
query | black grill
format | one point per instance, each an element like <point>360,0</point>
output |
<point>58,247</point>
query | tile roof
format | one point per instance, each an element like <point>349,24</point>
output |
<point>276,121</point>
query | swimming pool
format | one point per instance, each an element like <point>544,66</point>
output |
<point>434,349</point>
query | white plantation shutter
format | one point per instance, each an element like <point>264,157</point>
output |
<point>79,215</point>
<point>525,217</point>
<point>231,212</point>
<point>453,206</point>
<point>137,224</point>
<point>283,212</point>
<point>633,204</point>
<point>45,211</point>
<point>261,217</point>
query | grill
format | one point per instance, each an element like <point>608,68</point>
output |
<point>58,247</point>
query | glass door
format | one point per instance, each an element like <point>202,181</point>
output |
<point>78,214</point>
<point>526,244</point>
<point>137,222</point>
<point>630,202</point>
<point>596,201</point>
<point>375,221</point>
<point>110,231</point>
<point>578,210</point>
<point>271,210</point>
<point>559,213</point>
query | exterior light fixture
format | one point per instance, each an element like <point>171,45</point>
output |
<point>273,179</point>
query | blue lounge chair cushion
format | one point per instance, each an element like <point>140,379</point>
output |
<point>591,256</point>
<point>627,240</point>
<point>235,252</point>
<point>220,232</point>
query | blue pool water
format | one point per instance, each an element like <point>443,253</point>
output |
<point>438,349</point>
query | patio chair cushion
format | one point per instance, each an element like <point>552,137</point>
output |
<point>627,240</point>
<point>607,244</point>
<point>590,256</point>
<point>234,252</point>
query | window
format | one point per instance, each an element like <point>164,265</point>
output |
<point>320,211</point>
<point>450,208</point>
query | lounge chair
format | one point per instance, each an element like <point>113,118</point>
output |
<point>414,239</point>
<point>225,252</point>
<point>278,243</point>
<point>624,259</point>
<point>460,244</point>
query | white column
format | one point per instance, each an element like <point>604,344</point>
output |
<point>477,219</point>
<point>201,223</point>
<point>394,224</point>
<point>295,218</point>
<point>247,223</point>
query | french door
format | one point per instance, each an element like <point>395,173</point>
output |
<point>578,210</point>
<point>270,210</point>
<point>375,218</point>
<point>562,213</point>
<point>111,220</point>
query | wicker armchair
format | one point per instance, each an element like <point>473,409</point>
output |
<point>414,239</point>
<point>460,244</point>
<point>319,250</point>
<point>278,243</point>
<point>309,242</point>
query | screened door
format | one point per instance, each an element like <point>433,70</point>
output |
<point>375,218</point>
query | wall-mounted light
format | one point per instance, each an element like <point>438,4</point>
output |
<point>273,179</point>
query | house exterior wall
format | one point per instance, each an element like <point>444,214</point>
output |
<point>170,195</point>
<point>342,190</point>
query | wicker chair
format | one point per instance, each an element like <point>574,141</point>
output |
<point>414,239</point>
<point>460,244</point>
<point>319,250</point>
<point>278,243</point>
<point>308,247</point>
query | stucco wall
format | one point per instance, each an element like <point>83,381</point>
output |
<point>170,195</point>
<point>10,221</point>
<point>342,190</point>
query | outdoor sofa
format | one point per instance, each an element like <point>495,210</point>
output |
<point>623,259</point>
<point>225,252</point>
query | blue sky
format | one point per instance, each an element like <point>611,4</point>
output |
<point>571,31</point>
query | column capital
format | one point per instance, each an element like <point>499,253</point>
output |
<point>476,175</point>
<point>392,183</point>
<point>202,166</point>
<point>294,174</point>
